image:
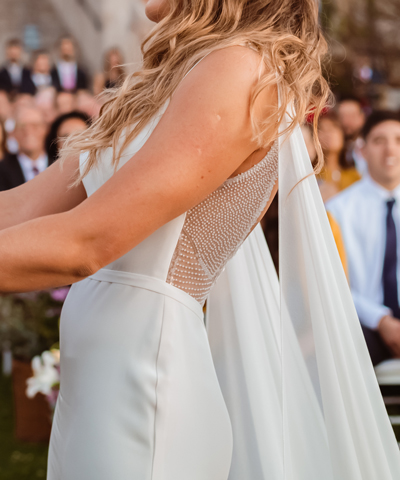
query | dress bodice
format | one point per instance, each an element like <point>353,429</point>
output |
<point>190,251</point>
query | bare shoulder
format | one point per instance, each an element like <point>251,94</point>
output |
<point>224,80</point>
<point>226,70</point>
<point>243,62</point>
<point>221,87</point>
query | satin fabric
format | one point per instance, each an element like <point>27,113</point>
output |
<point>139,396</point>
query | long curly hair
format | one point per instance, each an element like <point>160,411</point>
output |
<point>286,34</point>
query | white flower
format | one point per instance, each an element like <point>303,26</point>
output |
<point>45,374</point>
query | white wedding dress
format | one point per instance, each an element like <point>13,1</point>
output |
<point>144,397</point>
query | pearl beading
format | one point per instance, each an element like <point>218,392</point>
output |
<point>214,229</point>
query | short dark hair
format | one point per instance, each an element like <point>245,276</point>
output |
<point>66,37</point>
<point>14,42</point>
<point>51,140</point>
<point>377,117</point>
<point>350,98</point>
<point>37,53</point>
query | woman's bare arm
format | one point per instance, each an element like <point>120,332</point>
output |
<point>202,138</point>
<point>46,194</point>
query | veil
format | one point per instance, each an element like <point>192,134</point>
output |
<point>290,354</point>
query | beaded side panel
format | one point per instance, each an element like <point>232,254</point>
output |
<point>215,228</point>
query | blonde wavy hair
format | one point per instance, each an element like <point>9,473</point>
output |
<point>284,32</point>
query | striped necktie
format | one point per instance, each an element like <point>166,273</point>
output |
<point>389,274</point>
<point>35,170</point>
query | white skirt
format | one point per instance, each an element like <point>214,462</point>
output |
<point>139,397</point>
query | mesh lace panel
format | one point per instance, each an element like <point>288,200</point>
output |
<point>215,228</point>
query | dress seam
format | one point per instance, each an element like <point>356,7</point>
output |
<point>156,391</point>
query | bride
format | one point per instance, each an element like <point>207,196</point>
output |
<point>145,215</point>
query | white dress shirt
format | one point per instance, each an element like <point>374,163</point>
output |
<point>41,79</point>
<point>15,72</point>
<point>361,211</point>
<point>67,72</point>
<point>27,165</point>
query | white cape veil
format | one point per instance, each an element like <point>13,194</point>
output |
<point>290,355</point>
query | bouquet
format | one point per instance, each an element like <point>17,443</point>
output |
<point>46,377</point>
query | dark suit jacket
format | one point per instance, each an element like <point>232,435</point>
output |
<point>81,80</point>
<point>11,174</point>
<point>27,85</point>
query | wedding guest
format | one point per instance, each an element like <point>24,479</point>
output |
<point>31,159</point>
<point>45,100</point>
<point>336,174</point>
<point>14,76</point>
<point>61,129</point>
<point>308,136</point>
<point>309,141</point>
<point>368,214</point>
<point>5,106</point>
<point>41,70</point>
<point>352,118</point>
<point>19,102</point>
<point>113,71</point>
<point>65,102</point>
<point>88,103</point>
<point>3,140</point>
<point>67,75</point>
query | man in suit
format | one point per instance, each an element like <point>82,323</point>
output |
<point>67,76</point>
<point>368,214</point>
<point>41,69</point>
<point>14,77</point>
<point>31,159</point>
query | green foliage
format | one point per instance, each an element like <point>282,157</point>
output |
<point>18,460</point>
<point>29,323</point>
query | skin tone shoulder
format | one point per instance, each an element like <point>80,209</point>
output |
<point>51,235</point>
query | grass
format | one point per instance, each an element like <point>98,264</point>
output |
<point>18,460</point>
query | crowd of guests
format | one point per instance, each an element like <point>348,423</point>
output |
<point>41,104</point>
<point>43,101</point>
<point>360,184</point>
<point>65,74</point>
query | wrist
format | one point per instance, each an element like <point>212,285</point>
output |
<point>384,321</point>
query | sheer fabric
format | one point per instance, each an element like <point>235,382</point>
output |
<point>290,356</point>
<point>215,228</point>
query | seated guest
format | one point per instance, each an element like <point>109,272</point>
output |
<point>41,68</point>
<point>336,174</point>
<point>113,71</point>
<point>3,140</point>
<point>352,118</point>
<point>65,102</point>
<point>308,136</point>
<point>61,129</point>
<point>14,77</point>
<point>67,76</point>
<point>88,103</point>
<point>368,214</point>
<point>45,100</point>
<point>31,159</point>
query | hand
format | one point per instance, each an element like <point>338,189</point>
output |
<point>389,330</point>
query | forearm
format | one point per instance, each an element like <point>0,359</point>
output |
<point>41,253</point>
<point>48,193</point>
<point>11,210</point>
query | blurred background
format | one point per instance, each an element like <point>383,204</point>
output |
<point>56,57</point>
